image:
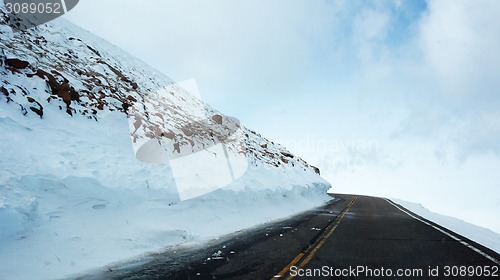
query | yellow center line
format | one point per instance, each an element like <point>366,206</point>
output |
<point>311,251</point>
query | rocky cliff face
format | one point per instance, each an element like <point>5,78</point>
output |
<point>59,65</point>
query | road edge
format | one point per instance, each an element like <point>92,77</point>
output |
<point>482,250</point>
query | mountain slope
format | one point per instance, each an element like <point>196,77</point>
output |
<point>91,81</point>
<point>77,190</point>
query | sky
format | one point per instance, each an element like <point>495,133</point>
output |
<point>399,99</point>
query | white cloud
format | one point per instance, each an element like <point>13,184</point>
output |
<point>370,30</point>
<point>461,40</point>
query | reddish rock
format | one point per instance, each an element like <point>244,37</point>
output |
<point>5,91</point>
<point>74,95</point>
<point>287,154</point>
<point>53,84</point>
<point>64,87</point>
<point>39,112</point>
<point>66,97</point>
<point>17,63</point>
<point>131,98</point>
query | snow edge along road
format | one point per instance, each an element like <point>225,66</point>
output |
<point>446,232</point>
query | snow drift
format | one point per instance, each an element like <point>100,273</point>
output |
<point>73,194</point>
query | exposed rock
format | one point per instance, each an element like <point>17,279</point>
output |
<point>125,106</point>
<point>287,154</point>
<point>177,148</point>
<point>170,135</point>
<point>131,98</point>
<point>100,105</point>
<point>316,170</point>
<point>75,96</point>
<point>92,49</point>
<point>187,131</point>
<point>51,81</point>
<point>17,63</point>
<point>217,119</point>
<point>4,91</point>
<point>66,97</point>
<point>37,111</point>
<point>23,110</point>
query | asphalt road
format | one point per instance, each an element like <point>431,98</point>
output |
<point>352,237</point>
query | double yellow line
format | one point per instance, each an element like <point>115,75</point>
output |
<point>309,253</point>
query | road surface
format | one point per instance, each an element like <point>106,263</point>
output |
<point>352,237</point>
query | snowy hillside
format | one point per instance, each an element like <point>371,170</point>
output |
<point>96,159</point>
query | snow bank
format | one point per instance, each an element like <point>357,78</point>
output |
<point>475,233</point>
<point>73,195</point>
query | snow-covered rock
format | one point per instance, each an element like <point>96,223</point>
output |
<point>75,112</point>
